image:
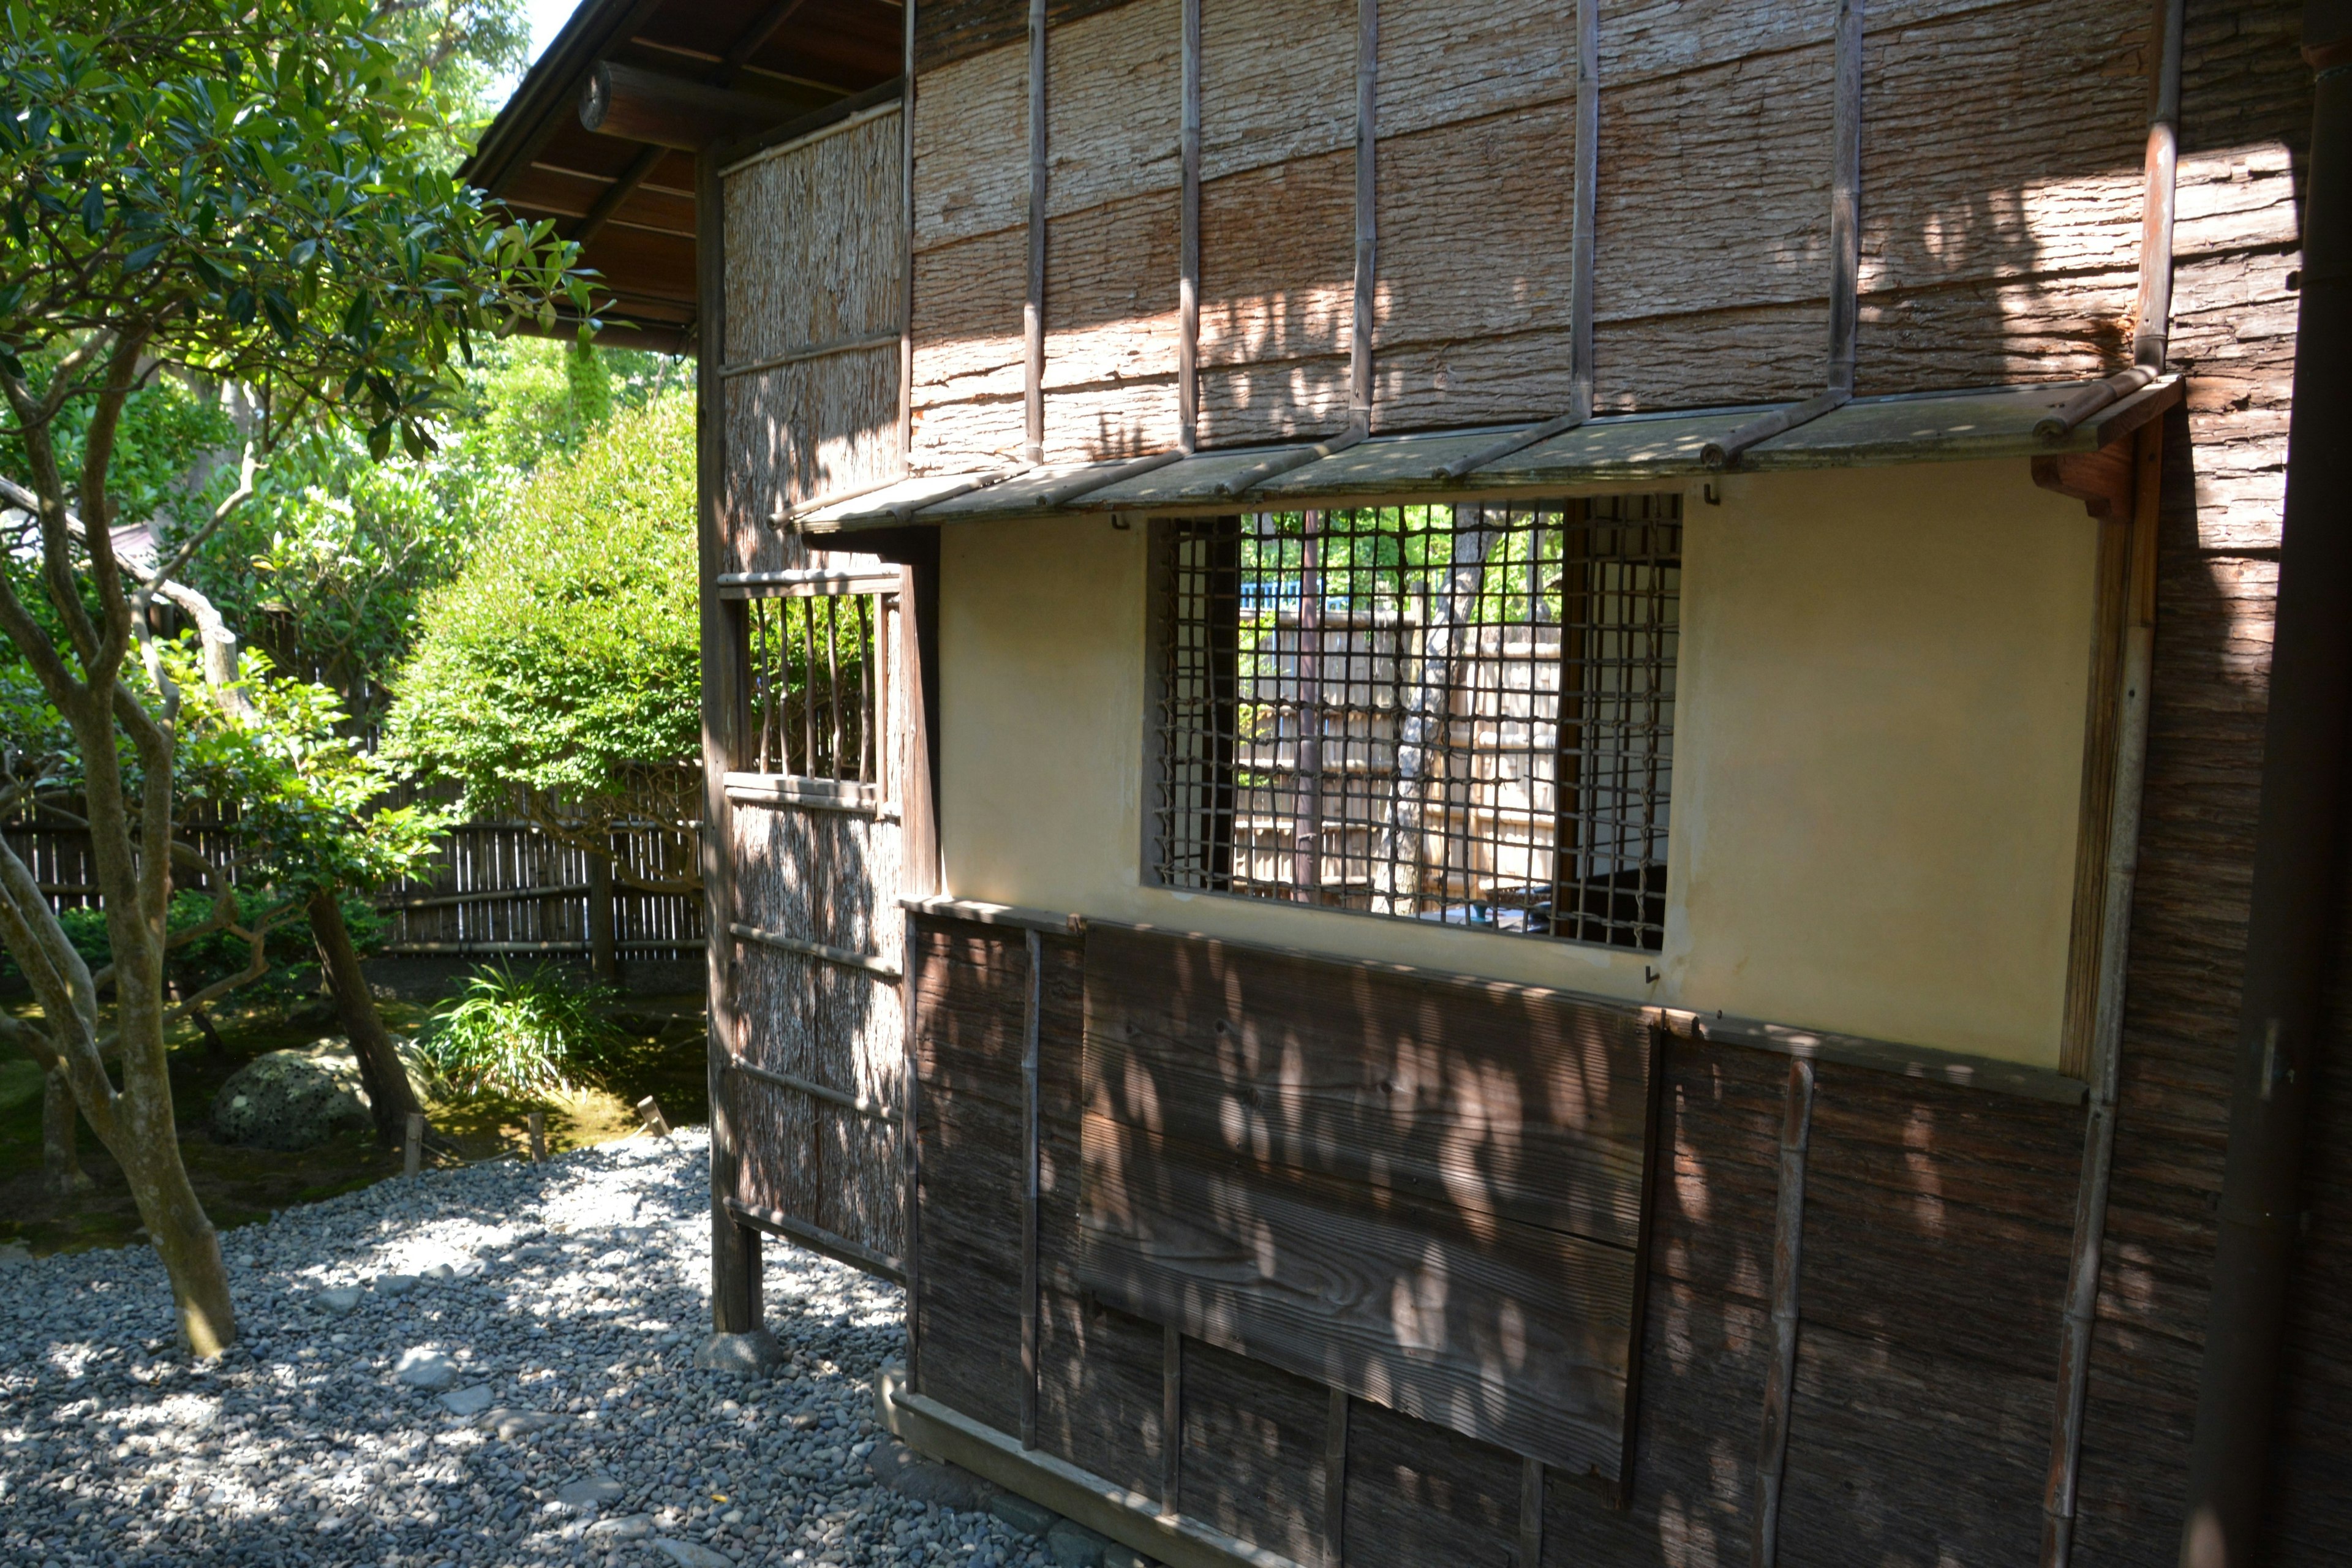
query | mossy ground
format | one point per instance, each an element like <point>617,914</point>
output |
<point>662,1058</point>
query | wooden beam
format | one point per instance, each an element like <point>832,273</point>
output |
<point>816,1238</point>
<point>909,1134</point>
<point>2102,480</point>
<point>639,105</point>
<point>1787,1256</point>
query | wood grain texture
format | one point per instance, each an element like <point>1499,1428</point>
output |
<point>803,431</point>
<point>950,30</point>
<point>972,146</point>
<point>1443,63</point>
<point>1498,1102</point>
<point>1277,82</point>
<point>1474,219</point>
<point>2244,95</point>
<point>1335,1171</point>
<point>1419,1494</point>
<point>1111,329</point>
<point>1252,1440</point>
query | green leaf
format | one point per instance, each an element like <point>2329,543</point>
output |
<point>139,259</point>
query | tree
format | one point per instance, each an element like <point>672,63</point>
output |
<point>565,658</point>
<point>247,191</point>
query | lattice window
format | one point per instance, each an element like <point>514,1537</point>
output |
<point>1459,714</point>
<point>817,687</point>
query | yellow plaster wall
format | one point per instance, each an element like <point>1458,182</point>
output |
<point>1882,695</point>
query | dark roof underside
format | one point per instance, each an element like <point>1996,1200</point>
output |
<point>635,204</point>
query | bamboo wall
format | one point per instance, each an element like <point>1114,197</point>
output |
<point>2000,210</point>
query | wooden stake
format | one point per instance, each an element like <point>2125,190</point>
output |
<point>1788,1250</point>
<point>1845,197</point>
<point>538,1121</point>
<point>412,1159</point>
<point>1588,179</point>
<point>649,1115</point>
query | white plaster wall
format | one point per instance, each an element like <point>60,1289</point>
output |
<point>1883,686</point>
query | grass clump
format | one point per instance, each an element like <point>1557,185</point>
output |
<point>523,1033</point>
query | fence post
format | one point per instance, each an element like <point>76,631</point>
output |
<point>604,953</point>
<point>412,1159</point>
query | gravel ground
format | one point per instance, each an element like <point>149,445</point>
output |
<point>553,1319</point>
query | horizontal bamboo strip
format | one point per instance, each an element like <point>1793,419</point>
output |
<point>881,968</point>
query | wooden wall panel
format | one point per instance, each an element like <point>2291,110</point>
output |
<point>817,244</point>
<point>1421,1494</point>
<point>1111,338</point>
<point>1277,82</point>
<point>972,149</point>
<point>1442,63</point>
<point>1253,1460</point>
<point>1426,1194</point>
<point>968,374</point>
<point>1113,106</point>
<point>803,431</point>
<point>951,30</point>
<point>1277,258</point>
<point>1472,309</point>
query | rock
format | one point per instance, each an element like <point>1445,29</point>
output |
<point>438,1274</point>
<point>752,1354</point>
<point>13,1254</point>
<point>468,1401</point>
<point>686,1554</point>
<point>589,1491</point>
<point>1028,1518</point>
<point>295,1100</point>
<point>1073,1545</point>
<point>394,1284</point>
<point>425,1369</point>
<point>910,1474</point>
<point>506,1423</point>
<point>342,1302</point>
<point>636,1527</point>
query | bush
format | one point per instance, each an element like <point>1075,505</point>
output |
<point>522,1034</point>
<point>293,960</point>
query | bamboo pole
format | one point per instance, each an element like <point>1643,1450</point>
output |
<point>1033,310</point>
<point>1788,1255</point>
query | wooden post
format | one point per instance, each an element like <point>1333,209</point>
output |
<point>1360,353</point>
<point>1788,1254</point>
<point>604,954</point>
<point>1307,831</point>
<point>734,1247</point>
<point>412,1158</point>
<point>1335,1481</point>
<point>910,1135</point>
<point>649,1115</point>
<point>1033,1003</point>
<point>538,1124</point>
<point>906,216</point>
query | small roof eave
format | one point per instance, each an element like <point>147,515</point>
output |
<point>1636,448</point>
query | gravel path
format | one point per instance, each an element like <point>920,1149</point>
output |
<point>485,1366</point>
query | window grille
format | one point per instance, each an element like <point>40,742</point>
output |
<point>816,686</point>
<point>1459,714</point>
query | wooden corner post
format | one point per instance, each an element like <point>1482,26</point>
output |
<point>734,1247</point>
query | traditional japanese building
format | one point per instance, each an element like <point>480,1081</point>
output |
<point>1493,778</point>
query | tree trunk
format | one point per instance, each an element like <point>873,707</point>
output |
<point>185,1239</point>
<point>61,1170</point>
<point>380,1066</point>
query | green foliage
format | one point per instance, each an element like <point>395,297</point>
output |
<point>168,426</point>
<point>523,1033</point>
<point>217,954</point>
<point>308,799</point>
<point>568,648</point>
<point>256,191</point>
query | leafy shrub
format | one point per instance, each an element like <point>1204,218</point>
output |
<point>519,1033</point>
<point>293,960</point>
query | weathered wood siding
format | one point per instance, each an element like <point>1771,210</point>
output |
<point>1937,1234</point>
<point>815,247</point>
<point>2245,116</point>
<point>2000,210</point>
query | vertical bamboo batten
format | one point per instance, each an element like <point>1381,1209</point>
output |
<point>910,1114</point>
<point>907,201</point>
<point>1188,287</point>
<point>1172,1412</point>
<point>1845,254</point>
<point>1360,355</point>
<point>1335,1481</point>
<point>1033,1007</point>
<point>1787,1258</point>
<point>1033,308</point>
<point>2106,1035</point>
